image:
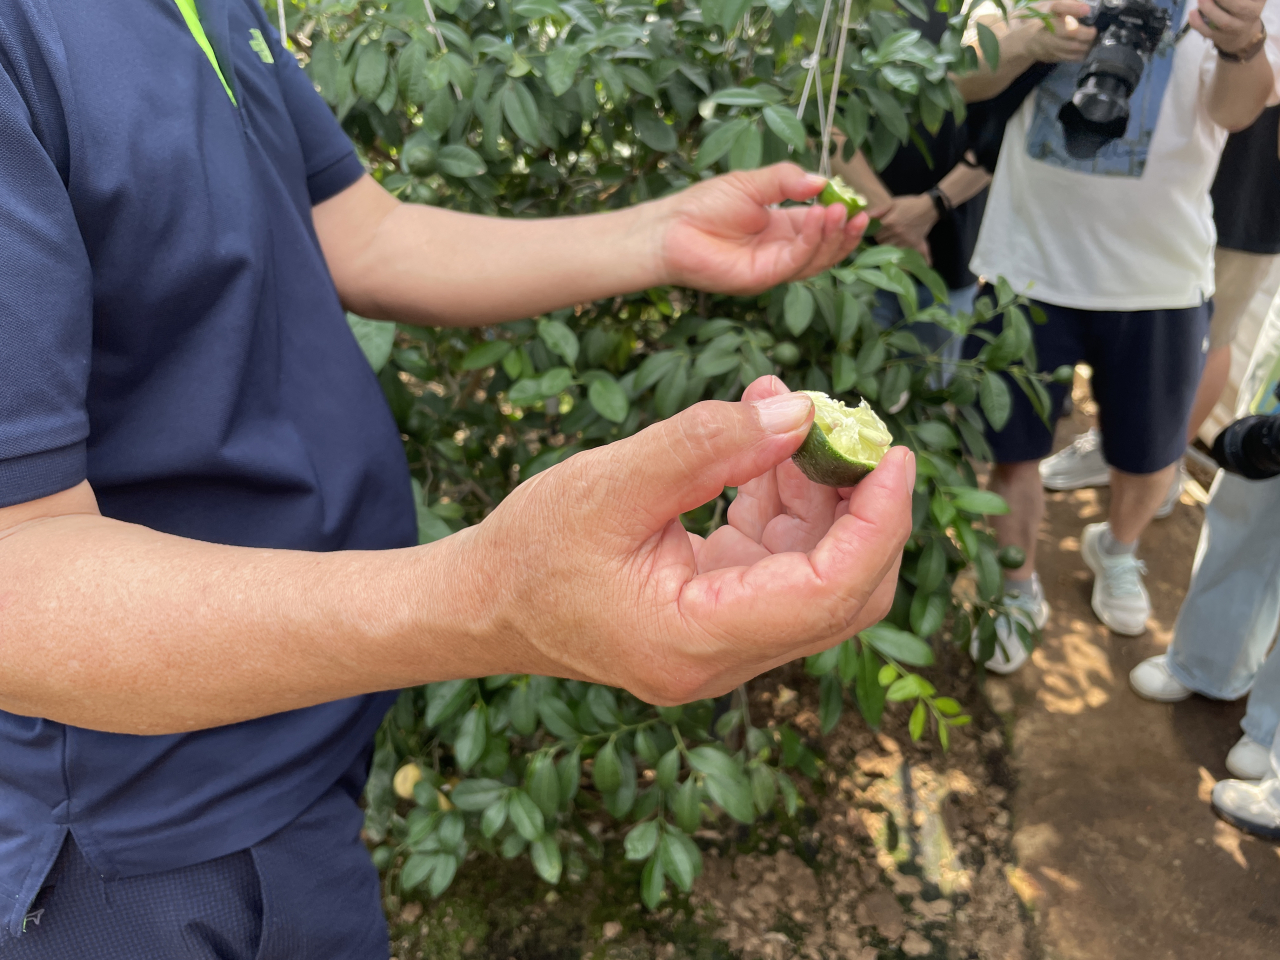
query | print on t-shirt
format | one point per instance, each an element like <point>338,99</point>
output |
<point>1127,156</point>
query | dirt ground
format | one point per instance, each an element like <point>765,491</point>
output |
<point>1114,836</point>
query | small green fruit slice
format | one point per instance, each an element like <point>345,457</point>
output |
<point>844,443</point>
<point>837,191</point>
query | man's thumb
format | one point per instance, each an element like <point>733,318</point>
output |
<point>780,181</point>
<point>681,463</point>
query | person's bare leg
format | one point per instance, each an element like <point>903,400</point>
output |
<point>1135,497</point>
<point>1217,366</point>
<point>1019,484</point>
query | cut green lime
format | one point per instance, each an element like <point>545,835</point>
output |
<point>844,443</point>
<point>837,191</point>
<point>1011,557</point>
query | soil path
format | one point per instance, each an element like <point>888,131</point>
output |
<point>1120,854</point>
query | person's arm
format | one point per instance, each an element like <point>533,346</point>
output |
<point>584,571</point>
<point>1235,93</point>
<point>433,267</point>
<point>1025,41</point>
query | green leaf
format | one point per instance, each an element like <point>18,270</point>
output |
<point>916,724</point>
<point>996,401</point>
<point>447,699</point>
<point>655,133</point>
<point>486,354</point>
<point>927,612</point>
<point>641,840</point>
<point>415,870</point>
<point>639,81</point>
<point>990,576</point>
<point>932,566</point>
<point>525,815</point>
<point>898,644</point>
<point>676,861</point>
<point>757,96</point>
<point>652,883</point>
<point>477,794</point>
<point>849,662</point>
<point>822,664</point>
<point>890,112</point>
<point>830,702</point>
<point>494,818</point>
<point>797,308</point>
<point>990,45</point>
<point>555,381</point>
<point>562,68</point>
<point>844,372</point>
<point>688,806</point>
<point>513,845</point>
<point>459,161</point>
<point>786,125</point>
<point>558,718</point>
<point>764,788</point>
<point>559,339</point>
<point>545,853</point>
<point>569,770</point>
<point>375,337</point>
<point>733,794</point>
<point>907,688</point>
<point>718,142</point>
<point>936,435</point>
<point>609,399</point>
<point>972,500</point>
<point>521,111</point>
<point>748,150</point>
<point>472,738</point>
<point>535,9</point>
<point>544,785</point>
<point>446,868</point>
<point>371,70</point>
<point>606,772</point>
<point>668,768</point>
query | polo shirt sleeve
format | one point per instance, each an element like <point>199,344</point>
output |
<point>46,309</point>
<point>332,164</point>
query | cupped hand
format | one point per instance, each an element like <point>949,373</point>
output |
<point>907,223</point>
<point>593,577</point>
<point>727,234</point>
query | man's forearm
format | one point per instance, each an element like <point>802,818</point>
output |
<point>1015,58</point>
<point>115,627</point>
<point>467,270</point>
<point>1238,92</point>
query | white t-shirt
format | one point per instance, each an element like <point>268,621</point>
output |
<point>1131,229</point>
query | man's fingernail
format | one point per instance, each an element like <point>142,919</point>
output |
<point>911,473</point>
<point>816,181</point>
<point>783,413</point>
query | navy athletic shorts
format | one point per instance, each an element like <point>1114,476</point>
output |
<point>308,892</point>
<point>1146,368</point>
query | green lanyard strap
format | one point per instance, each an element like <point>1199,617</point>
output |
<point>192,16</point>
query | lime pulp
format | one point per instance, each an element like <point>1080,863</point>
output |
<point>844,443</point>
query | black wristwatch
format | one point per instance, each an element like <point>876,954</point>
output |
<point>1249,52</point>
<point>941,202</point>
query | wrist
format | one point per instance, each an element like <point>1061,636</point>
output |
<point>648,227</point>
<point>1245,46</point>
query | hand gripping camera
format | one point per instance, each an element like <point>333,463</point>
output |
<point>1250,447</point>
<point>1129,32</point>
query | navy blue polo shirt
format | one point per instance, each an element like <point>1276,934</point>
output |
<point>170,332</point>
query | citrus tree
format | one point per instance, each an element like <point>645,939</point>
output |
<point>524,108</point>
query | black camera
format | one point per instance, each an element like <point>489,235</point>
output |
<point>1129,31</point>
<point>1250,447</point>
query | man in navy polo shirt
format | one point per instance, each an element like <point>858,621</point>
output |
<point>207,560</point>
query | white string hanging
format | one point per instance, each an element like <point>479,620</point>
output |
<point>813,81</point>
<point>284,32</point>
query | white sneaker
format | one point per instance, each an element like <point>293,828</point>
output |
<point>1032,611</point>
<point>1175,491</point>
<point>1152,680</point>
<point>1254,807</point>
<point>1119,598</point>
<point>1079,465</point>
<point>1249,760</point>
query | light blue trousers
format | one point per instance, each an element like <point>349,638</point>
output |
<point>1224,630</point>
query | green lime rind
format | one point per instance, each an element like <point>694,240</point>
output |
<point>822,461</point>
<point>837,191</point>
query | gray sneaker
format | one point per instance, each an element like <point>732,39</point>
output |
<point>1079,465</point>
<point>1119,597</point>
<point>1033,612</point>
<point>1253,807</point>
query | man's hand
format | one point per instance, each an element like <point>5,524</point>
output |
<point>591,574</point>
<point>907,222</point>
<point>1231,25</point>
<point>728,235</point>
